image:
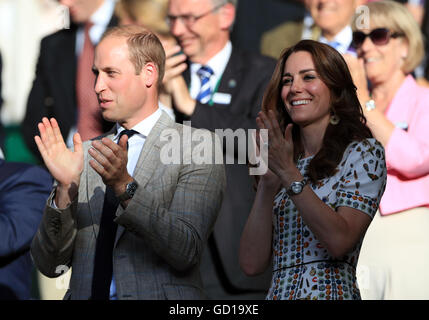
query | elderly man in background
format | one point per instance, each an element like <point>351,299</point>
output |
<point>215,85</point>
<point>327,21</point>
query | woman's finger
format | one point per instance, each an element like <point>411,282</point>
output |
<point>260,123</point>
<point>288,132</point>
<point>275,124</point>
<point>265,120</point>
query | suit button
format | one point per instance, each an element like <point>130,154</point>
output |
<point>49,101</point>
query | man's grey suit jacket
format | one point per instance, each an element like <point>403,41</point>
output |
<point>161,234</point>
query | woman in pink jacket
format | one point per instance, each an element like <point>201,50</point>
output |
<point>394,259</point>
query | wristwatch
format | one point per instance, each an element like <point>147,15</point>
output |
<point>370,105</point>
<point>130,190</point>
<point>296,187</point>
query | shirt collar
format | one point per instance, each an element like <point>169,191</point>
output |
<point>100,20</point>
<point>143,127</point>
<point>103,14</point>
<point>218,62</point>
<point>344,38</point>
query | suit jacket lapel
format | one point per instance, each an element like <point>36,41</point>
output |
<point>232,75</point>
<point>230,78</point>
<point>187,73</point>
<point>113,22</point>
<point>316,32</point>
<point>149,158</point>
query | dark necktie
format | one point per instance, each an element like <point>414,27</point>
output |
<point>103,265</point>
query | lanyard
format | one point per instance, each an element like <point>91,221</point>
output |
<point>210,103</point>
<point>214,91</point>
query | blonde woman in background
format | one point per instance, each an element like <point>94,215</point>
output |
<point>394,259</point>
<point>150,14</point>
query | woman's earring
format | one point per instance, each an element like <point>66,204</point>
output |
<point>334,119</point>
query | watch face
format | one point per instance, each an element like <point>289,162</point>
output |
<point>131,188</point>
<point>296,188</point>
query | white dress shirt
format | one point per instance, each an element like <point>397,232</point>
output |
<point>100,20</point>
<point>136,142</point>
<point>135,145</point>
<point>344,39</point>
<point>217,63</point>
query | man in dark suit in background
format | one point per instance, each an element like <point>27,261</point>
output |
<point>256,18</point>
<point>2,135</point>
<point>56,91</point>
<point>23,192</point>
<point>225,91</point>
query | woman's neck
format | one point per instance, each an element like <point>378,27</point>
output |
<point>384,92</point>
<point>312,138</point>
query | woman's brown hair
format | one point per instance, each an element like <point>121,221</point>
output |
<point>333,71</point>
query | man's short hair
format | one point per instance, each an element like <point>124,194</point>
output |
<point>219,2</point>
<point>143,47</point>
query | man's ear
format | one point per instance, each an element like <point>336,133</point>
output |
<point>227,14</point>
<point>150,74</point>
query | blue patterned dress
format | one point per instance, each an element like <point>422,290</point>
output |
<point>302,267</point>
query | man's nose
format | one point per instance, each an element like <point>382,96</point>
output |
<point>99,85</point>
<point>177,27</point>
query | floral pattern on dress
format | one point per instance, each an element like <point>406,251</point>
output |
<point>303,268</point>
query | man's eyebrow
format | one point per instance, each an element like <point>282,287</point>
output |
<point>287,74</point>
<point>105,69</point>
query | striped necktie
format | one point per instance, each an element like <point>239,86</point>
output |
<point>205,73</point>
<point>334,44</point>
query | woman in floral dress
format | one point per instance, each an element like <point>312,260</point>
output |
<point>326,175</point>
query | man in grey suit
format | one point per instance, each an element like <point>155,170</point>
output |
<point>166,211</point>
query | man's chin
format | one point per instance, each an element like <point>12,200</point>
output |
<point>188,48</point>
<point>108,117</point>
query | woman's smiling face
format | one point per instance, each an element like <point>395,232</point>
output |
<point>306,97</point>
